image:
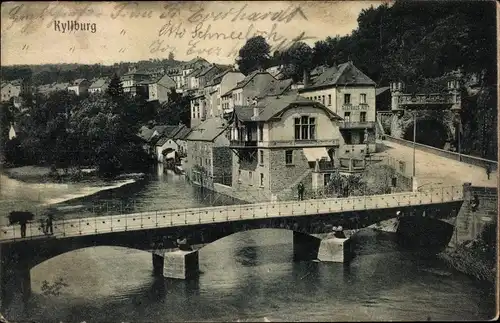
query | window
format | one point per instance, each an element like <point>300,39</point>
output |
<point>250,177</point>
<point>261,179</point>
<point>362,98</point>
<point>288,157</point>
<point>239,176</point>
<point>305,128</point>
<point>347,98</point>
<point>362,116</point>
<point>261,133</point>
<point>323,99</point>
<point>261,157</point>
<point>347,116</point>
<point>329,99</point>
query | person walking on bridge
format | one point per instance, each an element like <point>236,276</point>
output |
<point>49,226</point>
<point>300,190</point>
<point>488,170</point>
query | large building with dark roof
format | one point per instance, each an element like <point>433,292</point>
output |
<point>348,92</point>
<point>281,141</point>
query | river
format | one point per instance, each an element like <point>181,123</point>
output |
<point>248,276</point>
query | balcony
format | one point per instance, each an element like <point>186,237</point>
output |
<point>299,143</point>
<point>357,124</point>
<point>243,144</point>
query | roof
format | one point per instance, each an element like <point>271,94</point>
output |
<point>77,82</point>
<point>381,90</point>
<point>45,88</point>
<point>99,83</point>
<point>183,133</point>
<point>192,62</point>
<point>271,106</point>
<point>195,72</point>
<point>147,133</point>
<point>248,78</point>
<point>169,132</point>
<point>218,78</point>
<point>208,130</point>
<point>318,70</point>
<point>343,74</point>
<point>277,87</point>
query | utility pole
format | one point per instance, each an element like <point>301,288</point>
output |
<point>414,138</point>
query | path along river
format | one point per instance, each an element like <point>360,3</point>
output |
<point>248,276</point>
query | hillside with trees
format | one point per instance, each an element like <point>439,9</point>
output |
<point>66,131</point>
<point>61,73</point>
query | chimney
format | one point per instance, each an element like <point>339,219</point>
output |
<point>305,78</point>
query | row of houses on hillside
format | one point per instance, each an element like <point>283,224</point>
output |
<point>165,142</point>
<point>273,134</point>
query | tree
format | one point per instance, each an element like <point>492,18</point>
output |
<point>115,88</point>
<point>297,59</point>
<point>253,55</point>
<point>176,110</point>
<point>171,56</point>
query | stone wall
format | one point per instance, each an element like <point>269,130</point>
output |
<point>222,165</point>
<point>285,176</point>
<point>468,223</point>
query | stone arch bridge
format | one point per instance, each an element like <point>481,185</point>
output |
<point>158,232</point>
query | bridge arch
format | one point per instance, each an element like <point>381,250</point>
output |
<point>430,132</point>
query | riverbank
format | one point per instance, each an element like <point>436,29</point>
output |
<point>40,174</point>
<point>31,196</point>
<point>473,259</point>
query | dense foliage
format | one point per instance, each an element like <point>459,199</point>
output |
<point>176,110</point>
<point>254,55</point>
<point>64,130</point>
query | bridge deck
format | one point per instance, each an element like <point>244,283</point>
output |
<point>220,214</point>
<point>439,170</point>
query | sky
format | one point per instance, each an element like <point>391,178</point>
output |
<point>39,32</point>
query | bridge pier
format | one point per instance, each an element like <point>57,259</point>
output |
<point>158,263</point>
<point>178,264</point>
<point>322,247</point>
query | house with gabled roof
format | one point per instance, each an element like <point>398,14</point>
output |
<point>131,81</point>
<point>348,92</point>
<point>158,89</point>
<point>252,86</point>
<point>99,86</point>
<point>208,73</point>
<point>188,67</point>
<point>208,158</point>
<point>79,86</point>
<point>280,141</point>
<point>219,85</point>
<point>167,146</point>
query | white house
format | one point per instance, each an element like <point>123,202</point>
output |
<point>79,86</point>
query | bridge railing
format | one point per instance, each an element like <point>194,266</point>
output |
<point>225,213</point>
